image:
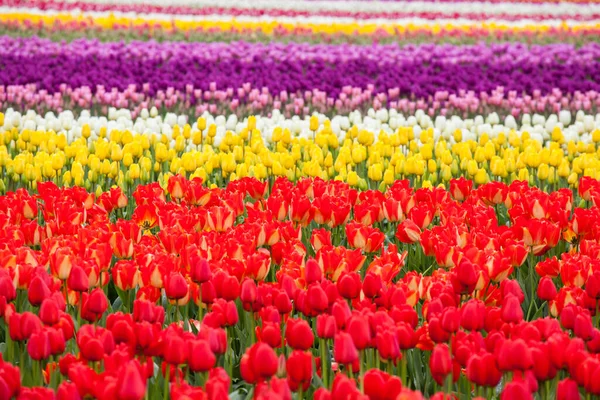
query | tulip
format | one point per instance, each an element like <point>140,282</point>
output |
<point>201,358</point>
<point>567,389</point>
<point>546,290</point>
<point>299,369</point>
<point>349,285</point>
<point>131,384</point>
<point>49,312</point>
<point>97,302</point>
<point>344,350</point>
<point>200,271</point>
<point>483,371</point>
<point>440,363</point>
<point>516,390</point>
<point>298,334</point>
<point>78,279</point>
<point>379,385</point>
<point>408,232</point>
<point>176,287</point>
<point>38,346</point>
<point>326,326</point>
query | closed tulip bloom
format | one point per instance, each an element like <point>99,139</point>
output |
<point>387,345</point>
<point>270,333</point>
<point>583,326</point>
<point>380,385</point>
<point>516,390</point>
<point>546,289</point>
<point>259,363</point>
<point>514,355</point>
<point>483,371</point>
<point>344,350</point>
<point>473,315</point>
<point>299,369</point>
<point>372,285</point>
<point>200,356</point>
<point>97,302</point>
<point>312,272</point>
<point>200,271</point>
<point>57,341</point>
<point>440,363</point>
<point>567,389</point>
<point>78,279</point>
<point>38,291</point>
<point>175,351</point>
<point>176,287</point>
<point>131,384</point>
<point>359,330</point>
<point>316,298</point>
<point>592,285</point>
<point>326,326</point>
<point>512,311</point>
<point>49,312</point>
<point>298,334</point>
<point>349,285</point>
<point>248,294</point>
<point>7,287</point>
<point>67,391</point>
<point>38,346</point>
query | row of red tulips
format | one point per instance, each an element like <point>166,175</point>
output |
<point>300,290</point>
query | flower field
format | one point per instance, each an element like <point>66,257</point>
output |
<point>309,199</point>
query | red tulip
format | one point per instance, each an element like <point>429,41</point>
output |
<point>174,349</point>
<point>259,363</point>
<point>546,290</point>
<point>67,391</point>
<point>358,328</point>
<point>349,285</point>
<point>317,299</point>
<point>326,326</point>
<point>201,357</point>
<point>38,290</point>
<point>473,315</point>
<point>387,345</point>
<point>131,385</point>
<point>176,287</point>
<point>567,389</point>
<point>381,386</point>
<point>483,371</point>
<point>248,294</point>
<point>344,350</point>
<point>94,342</point>
<point>514,355</point>
<point>49,312</point>
<point>97,302</point>
<point>38,346</point>
<point>440,363</point>
<point>592,285</point>
<point>299,369</point>
<point>200,271</point>
<point>298,334</point>
<point>516,390</point>
<point>57,341</point>
<point>512,311</point>
<point>78,280</point>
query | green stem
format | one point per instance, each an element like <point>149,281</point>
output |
<point>166,386</point>
<point>404,369</point>
<point>324,368</point>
